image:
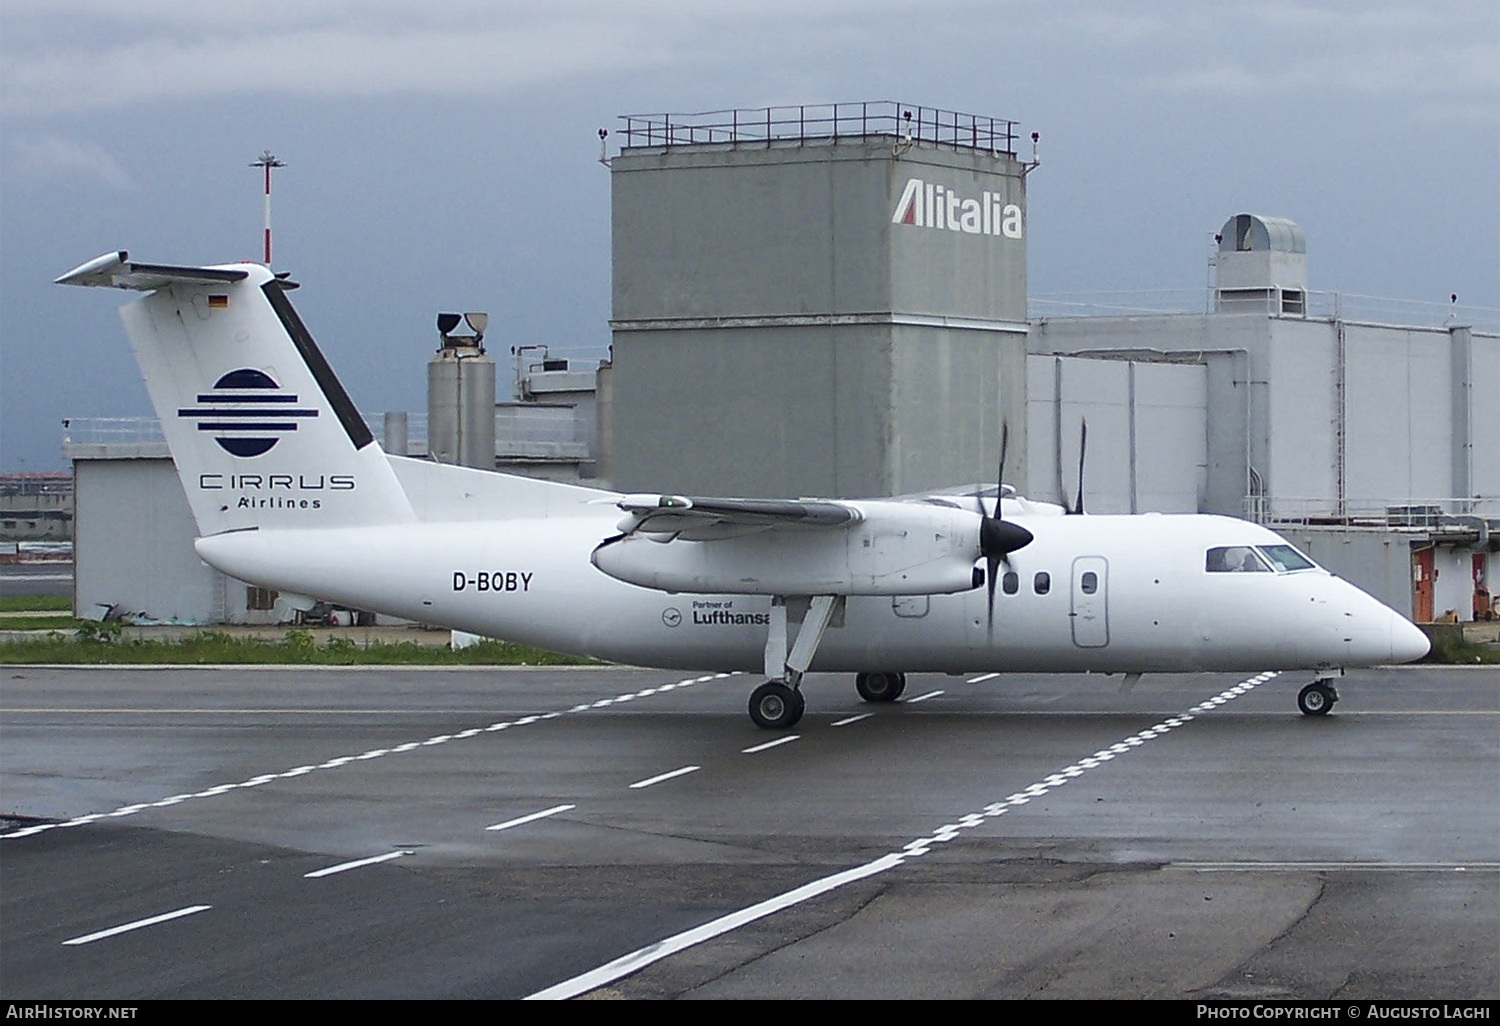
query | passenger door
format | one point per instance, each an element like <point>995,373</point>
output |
<point>1090,596</point>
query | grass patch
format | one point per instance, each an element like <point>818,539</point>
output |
<point>100,643</point>
<point>48,622</point>
<point>35,603</point>
<point>1450,646</point>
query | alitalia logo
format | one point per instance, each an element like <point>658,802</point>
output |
<point>929,205</point>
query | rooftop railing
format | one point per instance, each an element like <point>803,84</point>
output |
<point>824,121</point>
<point>1422,513</point>
<point>1320,305</point>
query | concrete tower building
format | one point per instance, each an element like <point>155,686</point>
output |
<point>817,300</point>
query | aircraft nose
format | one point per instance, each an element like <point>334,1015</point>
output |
<point>1408,643</point>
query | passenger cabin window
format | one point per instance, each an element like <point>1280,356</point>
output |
<point>1011,583</point>
<point>1042,583</point>
<point>1235,559</point>
<point>1089,582</point>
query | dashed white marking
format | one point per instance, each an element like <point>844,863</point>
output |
<point>374,753</point>
<point>851,719</point>
<point>356,864</point>
<point>138,924</point>
<point>533,817</point>
<point>770,744</point>
<point>643,957</point>
<point>684,771</point>
<point>923,698</point>
<point>982,678</point>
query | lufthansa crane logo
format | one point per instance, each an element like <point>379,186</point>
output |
<point>247,412</point>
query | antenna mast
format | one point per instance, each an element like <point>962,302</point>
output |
<point>267,160</point>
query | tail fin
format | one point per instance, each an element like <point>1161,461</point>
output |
<point>262,432</point>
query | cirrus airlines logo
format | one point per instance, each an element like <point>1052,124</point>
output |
<point>246,412</point>
<point>929,205</point>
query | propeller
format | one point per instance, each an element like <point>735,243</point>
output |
<point>1083,444</point>
<point>998,538</point>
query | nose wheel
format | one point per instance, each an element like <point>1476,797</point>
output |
<point>1317,698</point>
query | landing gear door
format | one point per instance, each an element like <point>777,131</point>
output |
<point>1090,595</point>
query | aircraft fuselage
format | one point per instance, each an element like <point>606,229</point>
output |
<point>1152,607</point>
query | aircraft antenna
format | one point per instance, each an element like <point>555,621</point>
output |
<point>267,160</point>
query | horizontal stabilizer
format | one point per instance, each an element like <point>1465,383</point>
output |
<point>115,270</point>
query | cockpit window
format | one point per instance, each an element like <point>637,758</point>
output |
<point>1285,558</point>
<point>1235,559</point>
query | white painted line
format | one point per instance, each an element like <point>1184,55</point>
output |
<point>923,698</point>
<point>343,866</point>
<point>664,776</point>
<point>643,957</point>
<point>851,719</point>
<point>531,818</point>
<point>983,677</point>
<point>1306,867</point>
<point>637,960</point>
<point>138,924</point>
<point>770,744</point>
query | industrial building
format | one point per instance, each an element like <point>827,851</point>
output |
<point>36,507</point>
<point>832,301</point>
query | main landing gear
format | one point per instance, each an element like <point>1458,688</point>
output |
<point>1317,698</point>
<point>880,687</point>
<point>778,703</point>
<point>775,706</point>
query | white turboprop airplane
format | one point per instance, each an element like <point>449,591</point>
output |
<point>290,491</point>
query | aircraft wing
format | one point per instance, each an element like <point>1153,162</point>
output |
<point>678,543</point>
<point>702,518</point>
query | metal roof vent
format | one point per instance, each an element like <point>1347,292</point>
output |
<point>1262,266</point>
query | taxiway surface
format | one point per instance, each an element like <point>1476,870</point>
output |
<point>505,833</point>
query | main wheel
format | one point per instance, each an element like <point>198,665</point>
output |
<point>774,706</point>
<point>1316,699</point>
<point>880,687</point>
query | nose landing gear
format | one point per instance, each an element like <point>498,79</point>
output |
<point>1317,698</point>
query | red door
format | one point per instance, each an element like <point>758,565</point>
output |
<point>1421,585</point>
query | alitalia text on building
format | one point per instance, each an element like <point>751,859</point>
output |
<point>929,205</point>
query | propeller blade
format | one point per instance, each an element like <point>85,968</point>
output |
<point>1000,474</point>
<point>1083,444</point>
<point>997,538</point>
<point>990,566</point>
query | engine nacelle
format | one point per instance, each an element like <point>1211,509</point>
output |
<point>894,548</point>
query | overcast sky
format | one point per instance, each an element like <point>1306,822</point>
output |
<point>442,155</point>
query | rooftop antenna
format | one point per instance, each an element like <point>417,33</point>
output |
<point>603,150</point>
<point>267,160</point>
<point>1214,242</point>
<point>906,142</point>
<point>1036,160</point>
<point>1452,310</point>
